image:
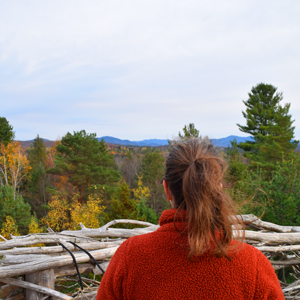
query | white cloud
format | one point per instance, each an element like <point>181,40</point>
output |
<point>107,66</point>
<point>111,32</point>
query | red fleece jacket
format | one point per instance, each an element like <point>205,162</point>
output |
<point>155,266</point>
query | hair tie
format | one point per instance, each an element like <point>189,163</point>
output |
<point>192,162</point>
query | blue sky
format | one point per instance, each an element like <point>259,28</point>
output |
<point>143,69</point>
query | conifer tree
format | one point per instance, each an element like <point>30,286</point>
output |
<point>145,213</point>
<point>236,170</point>
<point>15,207</point>
<point>85,161</point>
<point>283,202</point>
<point>37,153</point>
<point>152,174</point>
<point>122,206</point>
<point>36,187</point>
<point>270,126</point>
<point>189,131</point>
<point>6,131</point>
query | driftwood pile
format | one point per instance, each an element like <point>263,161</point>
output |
<point>39,272</point>
<point>37,266</point>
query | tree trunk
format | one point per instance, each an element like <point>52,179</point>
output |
<point>42,278</point>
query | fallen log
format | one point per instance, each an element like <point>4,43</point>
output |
<point>34,266</point>
<point>60,249</point>
<point>75,236</point>
<point>42,238</point>
<point>252,220</point>
<point>268,238</point>
<point>278,248</point>
<point>35,287</point>
<point>83,268</point>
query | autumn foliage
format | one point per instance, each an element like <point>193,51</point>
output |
<point>78,180</point>
<point>66,213</point>
<point>14,165</point>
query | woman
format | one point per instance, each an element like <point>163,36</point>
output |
<point>192,255</point>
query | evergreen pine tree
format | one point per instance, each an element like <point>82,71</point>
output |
<point>37,153</point>
<point>270,126</point>
<point>189,131</point>
<point>152,174</point>
<point>16,208</point>
<point>6,131</point>
<point>237,170</point>
<point>122,206</point>
<point>85,161</point>
<point>36,187</point>
<point>146,213</point>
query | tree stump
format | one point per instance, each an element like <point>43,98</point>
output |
<point>43,278</point>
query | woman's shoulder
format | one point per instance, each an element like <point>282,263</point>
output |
<point>250,250</point>
<point>246,250</point>
<point>252,258</point>
<point>136,241</point>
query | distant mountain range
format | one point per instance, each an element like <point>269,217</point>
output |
<point>222,142</point>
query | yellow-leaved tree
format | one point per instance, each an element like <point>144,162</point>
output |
<point>88,214</point>
<point>141,191</point>
<point>14,165</point>
<point>58,217</point>
<point>34,226</point>
<point>66,213</point>
<point>142,195</point>
<point>9,227</point>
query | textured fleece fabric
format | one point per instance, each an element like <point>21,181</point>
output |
<point>155,266</point>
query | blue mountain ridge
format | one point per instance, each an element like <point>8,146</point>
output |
<point>44,140</point>
<point>222,142</point>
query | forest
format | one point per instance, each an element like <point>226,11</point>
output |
<point>83,180</point>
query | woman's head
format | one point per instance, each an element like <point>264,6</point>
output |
<point>194,176</point>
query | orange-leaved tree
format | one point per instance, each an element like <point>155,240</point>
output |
<point>14,165</point>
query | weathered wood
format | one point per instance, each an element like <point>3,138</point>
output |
<point>34,287</point>
<point>20,259</point>
<point>76,236</point>
<point>71,270</point>
<point>58,249</point>
<point>104,266</point>
<point>25,258</point>
<point>253,220</point>
<point>267,238</point>
<point>7,290</point>
<point>43,278</point>
<point>294,285</point>
<point>2,237</point>
<point>34,266</point>
<point>278,248</point>
<point>109,232</point>
<point>43,238</point>
<point>125,221</point>
<point>90,296</point>
<point>286,263</point>
<point>19,296</point>
<point>83,268</point>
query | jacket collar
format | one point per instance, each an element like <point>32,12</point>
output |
<point>168,215</point>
